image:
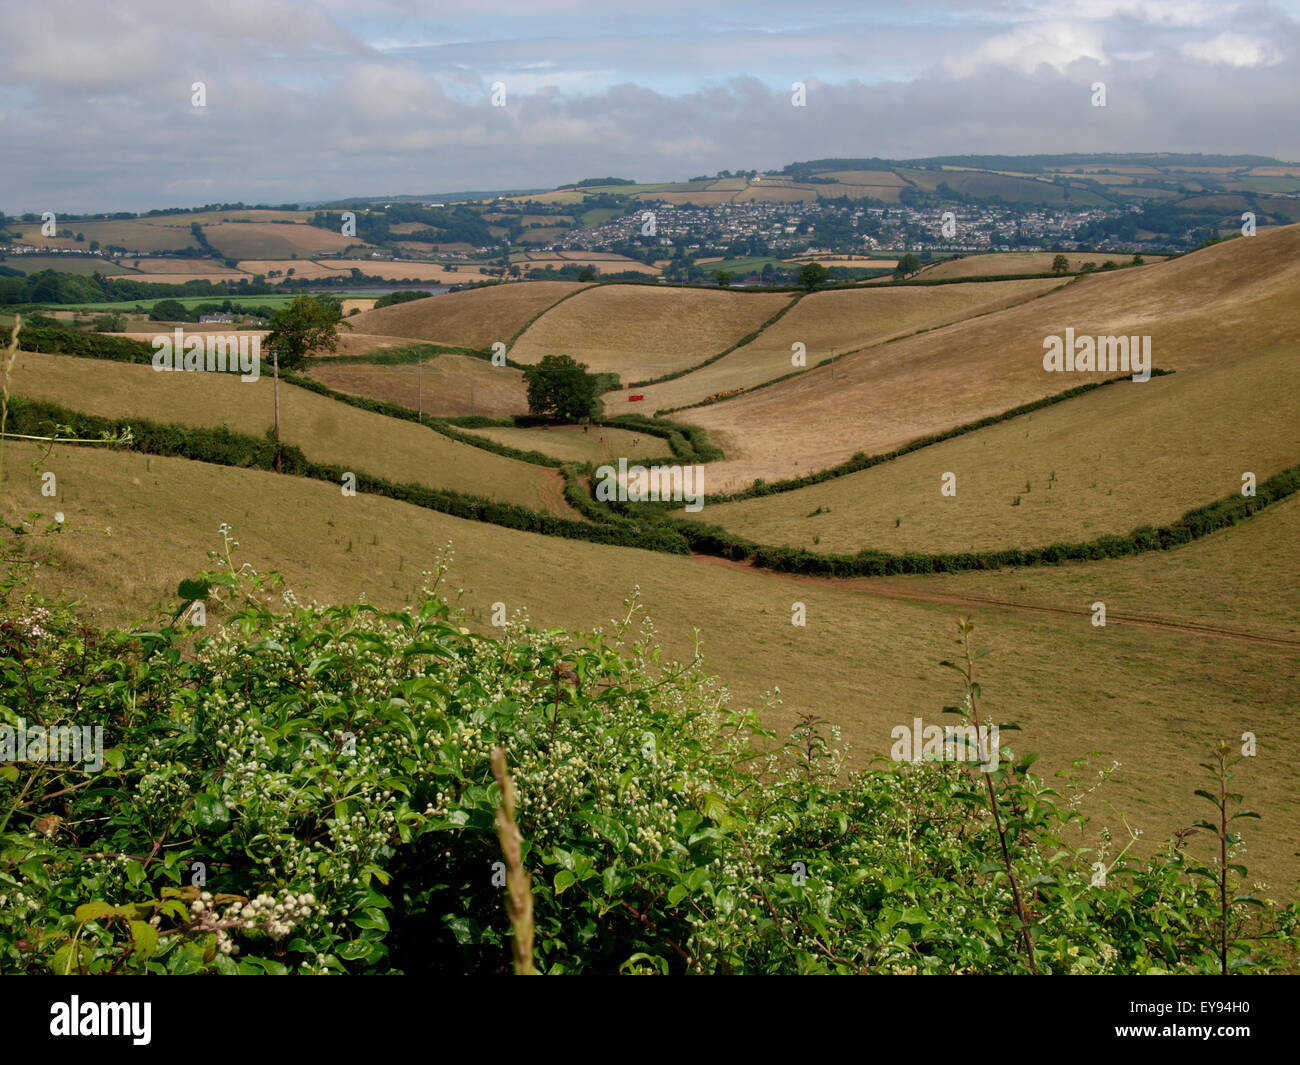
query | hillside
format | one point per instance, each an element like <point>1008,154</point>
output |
<point>1105,462</point>
<point>327,431</point>
<point>1103,690</point>
<point>844,320</point>
<point>1218,303</point>
<point>639,332</point>
<point>477,318</point>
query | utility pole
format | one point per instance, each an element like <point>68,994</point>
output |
<point>832,364</point>
<point>275,369</point>
<point>420,369</point>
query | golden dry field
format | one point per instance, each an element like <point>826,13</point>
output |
<point>598,444</point>
<point>453,385</point>
<point>843,319</point>
<point>640,332</point>
<point>1218,303</point>
<point>327,431</point>
<point>274,240</point>
<point>1022,262</point>
<point>1106,462</point>
<point>476,318</point>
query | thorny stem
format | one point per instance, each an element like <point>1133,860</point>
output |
<point>969,673</point>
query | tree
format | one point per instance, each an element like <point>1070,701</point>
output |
<point>306,325</point>
<point>1060,265</point>
<point>560,387</point>
<point>168,311</point>
<point>724,278</point>
<point>907,265</point>
<point>587,274</point>
<point>813,274</point>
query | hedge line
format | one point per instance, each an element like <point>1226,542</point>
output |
<point>863,462</point>
<point>226,448</point>
<point>748,338</point>
<point>1196,523</point>
<point>57,341</point>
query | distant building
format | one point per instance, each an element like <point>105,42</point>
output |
<point>215,318</point>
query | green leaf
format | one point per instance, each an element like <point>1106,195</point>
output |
<point>210,812</point>
<point>372,919</point>
<point>564,879</point>
<point>94,911</point>
<point>190,590</point>
<point>357,949</point>
<point>145,937</point>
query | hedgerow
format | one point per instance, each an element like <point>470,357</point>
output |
<point>296,789</point>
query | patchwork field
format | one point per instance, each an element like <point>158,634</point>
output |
<point>1150,698</point>
<point>1217,303</point>
<point>640,332</point>
<point>1106,462</point>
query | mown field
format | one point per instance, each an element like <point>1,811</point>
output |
<point>597,444</point>
<point>453,385</point>
<point>846,320</point>
<point>640,332</point>
<point>327,431</point>
<point>85,265</point>
<point>1150,698</point>
<point>476,318</point>
<point>1105,462</point>
<point>1214,304</point>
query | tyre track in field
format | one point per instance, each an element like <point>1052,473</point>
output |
<point>874,586</point>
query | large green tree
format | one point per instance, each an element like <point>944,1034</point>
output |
<point>560,387</point>
<point>813,274</point>
<point>306,325</point>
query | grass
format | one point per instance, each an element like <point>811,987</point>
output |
<point>1023,262</point>
<point>1108,461</point>
<point>600,444</point>
<point>845,319</point>
<point>84,265</point>
<point>327,431</point>
<point>476,318</point>
<point>271,240</point>
<point>136,525</point>
<point>454,385</point>
<point>640,332</point>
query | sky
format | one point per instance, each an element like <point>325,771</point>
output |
<point>310,101</point>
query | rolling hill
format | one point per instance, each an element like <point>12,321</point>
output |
<point>1218,303</point>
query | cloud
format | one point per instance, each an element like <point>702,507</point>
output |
<point>1233,50</point>
<point>312,101</point>
<point>1028,47</point>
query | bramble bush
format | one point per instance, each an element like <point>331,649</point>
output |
<point>326,772</point>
